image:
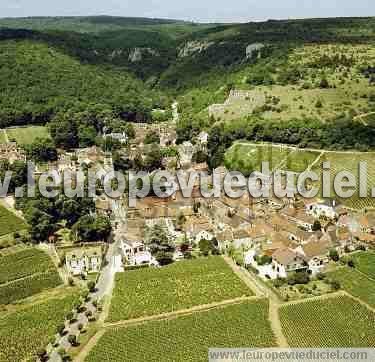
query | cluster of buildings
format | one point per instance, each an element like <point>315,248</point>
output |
<point>11,152</point>
<point>274,236</point>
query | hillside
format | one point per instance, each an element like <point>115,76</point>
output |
<point>307,70</point>
<point>37,80</point>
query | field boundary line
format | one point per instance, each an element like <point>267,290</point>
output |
<point>50,250</point>
<point>93,341</point>
<point>275,323</point>
<point>25,277</point>
<point>322,153</point>
<point>253,285</point>
<point>283,162</point>
<point>6,135</point>
<point>180,313</point>
<point>319,297</point>
<point>365,275</point>
<point>294,147</point>
<point>361,116</point>
<point>360,301</point>
<point>12,210</point>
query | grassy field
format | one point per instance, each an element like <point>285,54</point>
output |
<point>24,332</point>
<point>181,285</point>
<point>365,263</point>
<point>3,138</point>
<point>188,338</point>
<point>248,157</point>
<point>9,222</point>
<point>26,273</point>
<point>27,135</point>
<point>347,92</point>
<point>356,284</point>
<point>334,322</point>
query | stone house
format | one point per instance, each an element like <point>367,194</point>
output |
<point>84,261</point>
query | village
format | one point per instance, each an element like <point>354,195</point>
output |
<point>273,238</point>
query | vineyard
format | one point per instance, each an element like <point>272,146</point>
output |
<point>9,222</point>
<point>24,332</point>
<point>22,264</point>
<point>188,338</point>
<point>350,162</point>
<point>329,323</point>
<point>247,157</point>
<point>25,273</point>
<point>28,286</point>
<point>356,284</point>
<point>365,263</point>
<point>181,285</point>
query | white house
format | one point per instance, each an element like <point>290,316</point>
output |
<point>135,253</point>
<point>322,210</point>
<point>203,235</point>
<point>266,271</point>
<point>121,137</point>
<point>285,261</point>
<point>84,261</point>
<point>316,253</point>
<point>242,239</point>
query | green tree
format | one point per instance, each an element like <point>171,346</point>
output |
<point>334,255</point>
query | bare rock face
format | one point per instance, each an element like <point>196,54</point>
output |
<point>193,47</point>
<point>251,48</point>
<point>137,54</point>
<point>116,53</point>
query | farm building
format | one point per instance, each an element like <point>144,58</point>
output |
<point>84,261</point>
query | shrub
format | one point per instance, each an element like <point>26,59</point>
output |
<point>91,286</point>
<point>70,316</point>
<point>351,263</point>
<point>335,285</point>
<point>334,255</point>
<point>72,339</point>
<point>61,329</point>
<point>320,276</point>
<point>42,355</point>
<point>298,278</point>
<point>279,282</point>
<point>264,260</point>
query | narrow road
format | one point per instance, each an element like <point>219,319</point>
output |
<point>247,278</point>
<point>175,114</point>
<point>262,291</point>
<point>104,286</point>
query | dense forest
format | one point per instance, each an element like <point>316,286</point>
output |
<point>56,70</point>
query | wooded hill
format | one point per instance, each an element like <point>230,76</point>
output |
<point>135,65</point>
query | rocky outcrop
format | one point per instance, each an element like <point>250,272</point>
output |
<point>116,53</point>
<point>137,54</point>
<point>193,47</point>
<point>253,48</point>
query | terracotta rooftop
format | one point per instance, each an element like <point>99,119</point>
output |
<point>315,249</point>
<point>285,256</point>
